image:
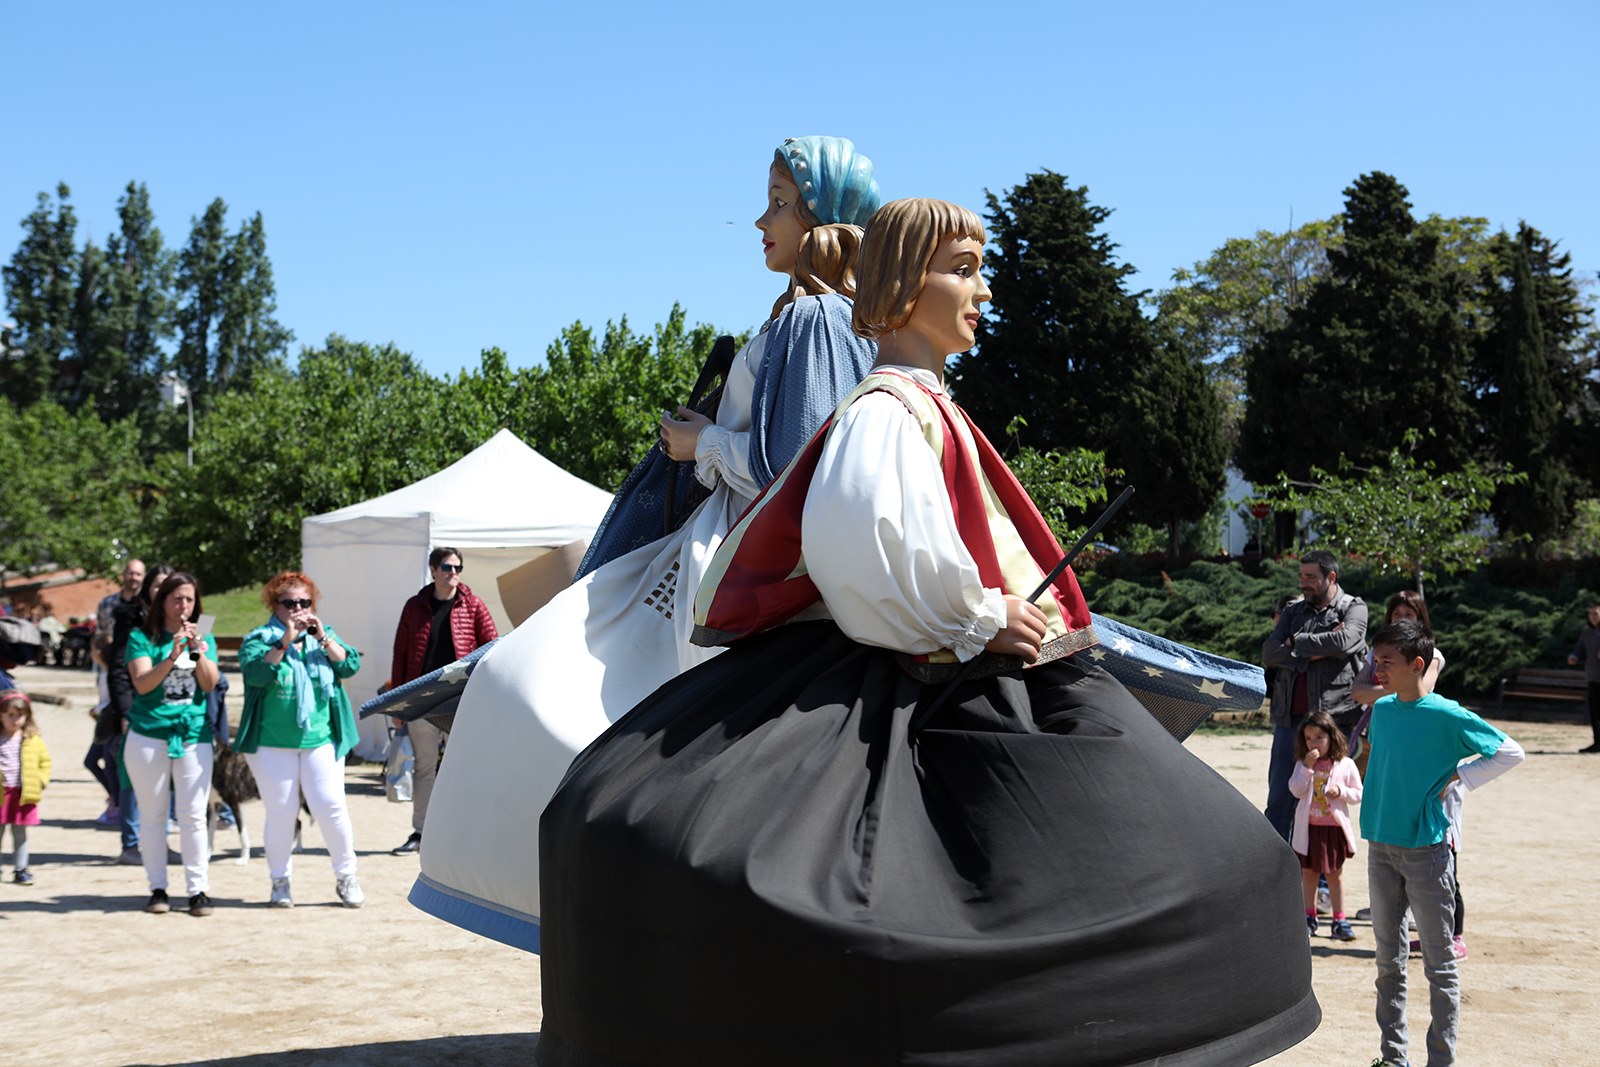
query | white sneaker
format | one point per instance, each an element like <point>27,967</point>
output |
<point>1324,901</point>
<point>280,894</point>
<point>349,891</point>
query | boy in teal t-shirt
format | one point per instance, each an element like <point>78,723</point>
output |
<point>1418,743</point>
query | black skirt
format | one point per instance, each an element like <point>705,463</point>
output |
<point>758,866</point>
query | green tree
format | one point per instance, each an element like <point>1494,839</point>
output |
<point>136,312</point>
<point>41,292</point>
<point>73,485</point>
<point>1061,331</point>
<point>1066,343</point>
<point>1401,514</point>
<point>1228,302</point>
<point>1171,439</point>
<point>74,379</point>
<point>249,338</point>
<point>1064,483</point>
<point>1528,414</point>
<point>297,444</point>
<point>200,292</point>
<point>225,317</point>
<point>593,408</point>
<point>1538,398</point>
<point>1380,345</point>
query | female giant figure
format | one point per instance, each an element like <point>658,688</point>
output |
<point>599,647</point>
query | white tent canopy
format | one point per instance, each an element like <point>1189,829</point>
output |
<point>501,505</point>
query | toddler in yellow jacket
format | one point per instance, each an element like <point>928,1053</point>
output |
<point>24,771</point>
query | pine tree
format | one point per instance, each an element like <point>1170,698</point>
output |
<point>1528,413</point>
<point>1062,332</point>
<point>249,338</point>
<point>137,309</point>
<point>1172,445</point>
<point>1378,346</point>
<point>200,289</point>
<point>74,384</point>
<point>40,296</point>
<point>1066,346</point>
<point>226,322</point>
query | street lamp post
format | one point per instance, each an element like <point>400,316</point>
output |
<point>174,391</point>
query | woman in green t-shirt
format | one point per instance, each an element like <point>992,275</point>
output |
<point>172,669</point>
<point>297,729</point>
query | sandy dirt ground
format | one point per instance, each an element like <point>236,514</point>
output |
<point>94,980</point>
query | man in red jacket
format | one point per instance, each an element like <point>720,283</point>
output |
<point>438,626</point>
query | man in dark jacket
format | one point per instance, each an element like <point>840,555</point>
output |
<point>1318,647</point>
<point>1586,654</point>
<point>438,626</point>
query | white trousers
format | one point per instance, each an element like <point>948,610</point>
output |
<point>282,775</point>
<point>152,771</point>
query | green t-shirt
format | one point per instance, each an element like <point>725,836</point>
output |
<point>1416,747</point>
<point>280,713</point>
<point>175,710</point>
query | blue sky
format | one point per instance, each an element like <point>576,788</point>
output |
<point>451,177</point>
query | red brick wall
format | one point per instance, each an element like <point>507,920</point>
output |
<point>64,600</point>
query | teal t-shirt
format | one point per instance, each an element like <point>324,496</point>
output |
<point>1416,747</point>
<point>175,710</point>
<point>280,713</point>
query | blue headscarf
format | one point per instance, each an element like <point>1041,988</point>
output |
<point>836,182</point>
<point>813,359</point>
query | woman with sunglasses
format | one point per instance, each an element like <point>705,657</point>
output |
<point>297,728</point>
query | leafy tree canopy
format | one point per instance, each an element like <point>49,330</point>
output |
<point>1401,515</point>
<point>73,484</point>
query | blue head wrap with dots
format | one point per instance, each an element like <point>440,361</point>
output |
<point>835,181</point>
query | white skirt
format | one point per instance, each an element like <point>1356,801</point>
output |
<point>535,701</point>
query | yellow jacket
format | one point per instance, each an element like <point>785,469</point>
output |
<point>35,760</point>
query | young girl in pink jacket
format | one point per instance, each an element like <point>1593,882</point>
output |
<point>1326,782</point>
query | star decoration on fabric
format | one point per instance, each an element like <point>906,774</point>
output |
<point>1154,672</point>
<point>455,672</point>
<point>1213,689</point>
<point>1123,645</point>
<point>1181,663</point>
<point>1097,654</point>
<point>400,705</point>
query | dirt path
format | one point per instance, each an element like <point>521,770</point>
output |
<point>96,981</point>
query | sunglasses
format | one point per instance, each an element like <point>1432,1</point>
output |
<point>291,603</point>
<point>450,568</point>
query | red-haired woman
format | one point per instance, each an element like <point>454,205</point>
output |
<point>297,728</point>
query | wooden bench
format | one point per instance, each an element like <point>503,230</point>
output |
<point>227,651</point>
<point>1542,683</point>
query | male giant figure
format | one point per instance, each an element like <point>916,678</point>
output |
<point>1318,646</point>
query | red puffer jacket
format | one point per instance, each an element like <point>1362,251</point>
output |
<point>470,626</point>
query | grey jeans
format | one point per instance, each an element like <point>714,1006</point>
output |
<point>1425,880</point>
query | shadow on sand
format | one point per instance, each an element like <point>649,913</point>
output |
<point>475,1050</point>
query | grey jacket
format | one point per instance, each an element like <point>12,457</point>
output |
<point>1338,634</point>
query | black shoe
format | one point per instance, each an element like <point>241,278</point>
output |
<point>1592,749</point>
<point>22,877</point>
<point>413,843</point>
<point>200,905</point>
<point>158,903</point>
